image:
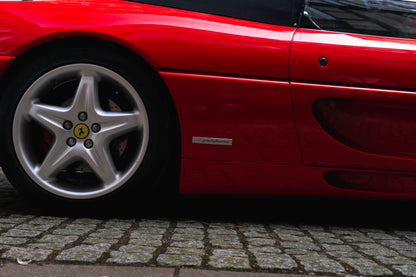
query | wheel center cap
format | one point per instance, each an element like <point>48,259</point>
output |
<point>81,131</point>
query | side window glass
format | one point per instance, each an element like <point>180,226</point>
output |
<point>391,18</point>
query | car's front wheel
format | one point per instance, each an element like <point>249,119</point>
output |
<point>82,128</point>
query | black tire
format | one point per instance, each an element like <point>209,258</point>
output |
<point>149,152</point>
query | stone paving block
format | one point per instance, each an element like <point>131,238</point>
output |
<point>229,252</point>
<point>322,264</point>
<point>146,242</point>
<point>118,224</point>
<point>382,251</point>
<point>42,220</point>
<point>289,232</point>
<point>328,240</point>
<point>188,244</point>
<point>186,236</point>
<point>112,233</point>
<point>398,245</point>
<point>12,240</point>
<point>396,260</point>
<point>185,251</point>
<point>229,262</point>
<point>77,255</point>
<point>381,236</point>
<point>75,229</point>
<point>407,234</point>
<point>223,236</point>
<point>120,257</point>
<point>256,234</point>
<point>407,253</point>
<point>137,249</point>
<point>221,231</point>
<point>149,230</point>
<point>413,239</point>
<point>54,242</point>
<point>15,219</point>
<point>406,270</point>
<point>23,233</point>
<point>257,250</point>
<point>300,252</point>
<point>226,243</point>
<point>6,226</point>
<point>359,238</point>
<point>27,254</point>
<point>337,247</point>
<point>47,245</point>
<point>325,237</point>
<point>34,227</point>
<point>227,258</point>
<point>194,231</point>
<point>138,235</point>
<point>179,260</point>
<point>275,261</point>
<point>367,267</point>
<point>261,241</point>
<point>58,238</point>
<point>345,254</point>
<point>98,240</point>
<point>320,234</point>
<point>5,247</point>
<point>373,249</point>
<point>291,237</point>
<point>299,245</point>
<point>83,253</point>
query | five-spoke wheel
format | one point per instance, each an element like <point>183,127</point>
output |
<point>82,130</point>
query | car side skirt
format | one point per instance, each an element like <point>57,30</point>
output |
<point>221,177</point>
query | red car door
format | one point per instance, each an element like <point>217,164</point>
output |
<point>230,81</point>
<point>352,70</point>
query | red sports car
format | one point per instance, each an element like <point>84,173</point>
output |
<point>294,97</point>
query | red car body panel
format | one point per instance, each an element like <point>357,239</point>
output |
<point>233,79</point>
<point>252,112</point>
<point>167,38</point>
<point>355,59</point>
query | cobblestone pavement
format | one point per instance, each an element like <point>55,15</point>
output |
<point>348,241</point>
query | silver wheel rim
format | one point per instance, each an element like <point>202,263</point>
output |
<point>83,133</point>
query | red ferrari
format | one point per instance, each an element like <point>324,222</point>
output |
<point>293,97</point>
